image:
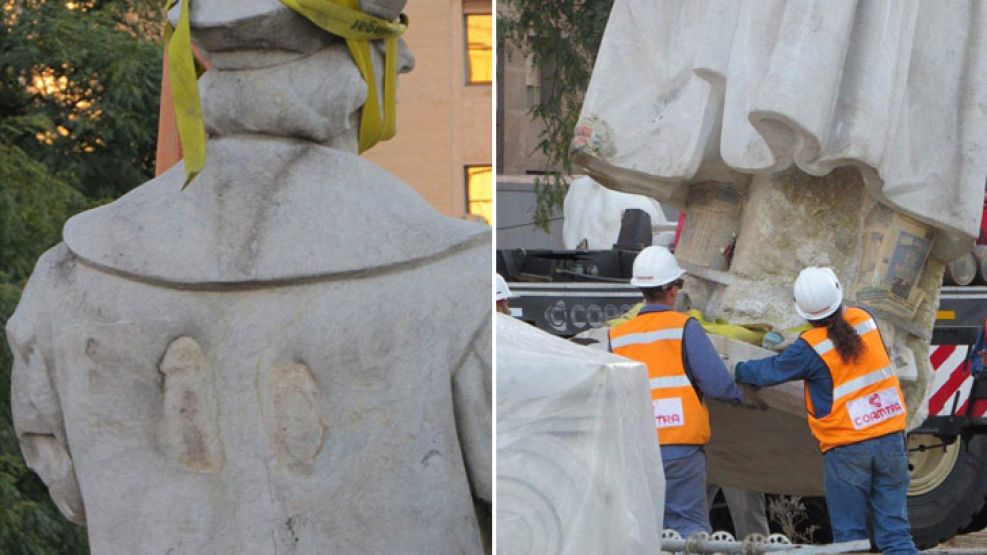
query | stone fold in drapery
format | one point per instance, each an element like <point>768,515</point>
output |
<point>693,91</point>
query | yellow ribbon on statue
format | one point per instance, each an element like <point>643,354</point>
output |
<point>343,18</point>
<point>185,92</point>
<point>339,17</point>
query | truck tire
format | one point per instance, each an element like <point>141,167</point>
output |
<point>978,523</point>
<point>948,487</point>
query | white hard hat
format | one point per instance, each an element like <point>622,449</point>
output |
<point>818,293</point>
<point>654,267</point>
<point>503,291</point>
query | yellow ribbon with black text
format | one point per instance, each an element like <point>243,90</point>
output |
<point>344,19</point>
<point>339,17</point>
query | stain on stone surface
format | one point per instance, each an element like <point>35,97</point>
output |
<point>287,535</point>
<point>289,524</point>
<point>428,456</point>
<point>292,414</point>
<point>91,347</point>
<point>188,430</point>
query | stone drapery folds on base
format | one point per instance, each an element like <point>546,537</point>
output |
<point>693,91</point>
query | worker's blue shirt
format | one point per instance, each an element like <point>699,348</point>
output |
<point>798,362</point>
<point>705,370</point>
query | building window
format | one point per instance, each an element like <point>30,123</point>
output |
<point>479,48</point>
<point>479,192</point>
<point>532,82</point>
<point>539,81</point>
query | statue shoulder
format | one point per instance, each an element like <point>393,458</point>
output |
<point>322,213</point>
<point>30,324</point>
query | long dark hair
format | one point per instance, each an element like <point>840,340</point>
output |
<point>848,344</point>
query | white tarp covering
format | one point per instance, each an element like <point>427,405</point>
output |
<point>593,212</point>
<point>697,90</point>
<point>578,467</point>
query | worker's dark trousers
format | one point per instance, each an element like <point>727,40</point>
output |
<point>870,477</point>
<point>686,511</point>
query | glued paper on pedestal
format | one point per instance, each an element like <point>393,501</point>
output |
<point>895,252</point>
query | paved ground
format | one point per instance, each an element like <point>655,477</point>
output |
<point>967,544</point>
<point>970,544</point>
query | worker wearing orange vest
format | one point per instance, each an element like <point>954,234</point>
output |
<point>855,409</point>
<point>683,367</point>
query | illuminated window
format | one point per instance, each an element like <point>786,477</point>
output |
<point>479,191</point>
<point>479,48</point>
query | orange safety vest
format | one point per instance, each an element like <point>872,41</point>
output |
<point>655,338</point>
<point>867,400</point>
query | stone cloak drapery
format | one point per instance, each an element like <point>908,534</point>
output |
<point>696,90</point>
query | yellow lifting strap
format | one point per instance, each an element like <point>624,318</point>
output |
<point>748,333</point>
<point>339,17</point>
<point>343,18</point>
<point>185,92</point>
<point>627,316</point>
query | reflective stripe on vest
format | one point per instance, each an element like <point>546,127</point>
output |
<point>647,337</point>
<point>655,338</point>
<point>670,382</point>
<point>867,399</point>
<point>861,328</point>
<point>856,385</point>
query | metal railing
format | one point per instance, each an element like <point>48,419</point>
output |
<point>754,544</point>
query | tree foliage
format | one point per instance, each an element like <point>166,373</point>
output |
<point>89,75</point>
<point>563,37</point>
<point>79,85</point>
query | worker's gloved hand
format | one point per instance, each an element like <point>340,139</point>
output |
<point>751,399</point>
